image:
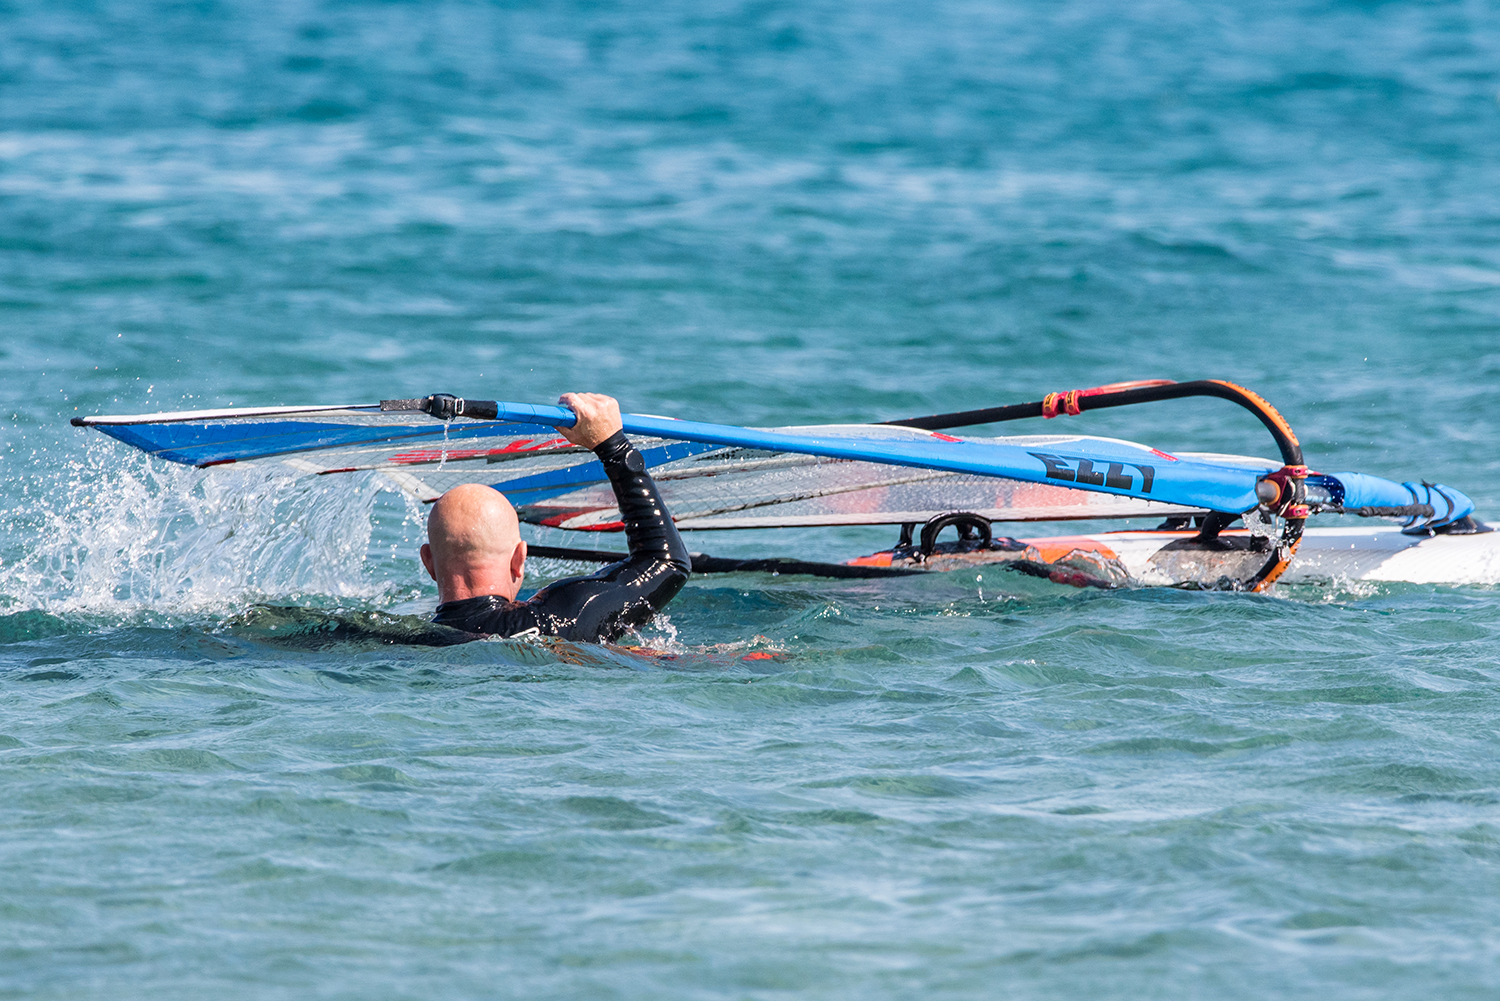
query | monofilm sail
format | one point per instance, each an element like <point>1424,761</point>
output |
<point>714,476</point>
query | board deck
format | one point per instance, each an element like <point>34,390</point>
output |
<point>1327,554</point>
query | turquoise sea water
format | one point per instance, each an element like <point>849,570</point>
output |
<point>218,778</point>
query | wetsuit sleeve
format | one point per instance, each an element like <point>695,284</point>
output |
<point>648,526</point>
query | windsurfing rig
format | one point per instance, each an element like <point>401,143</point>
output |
<point>907,473</point>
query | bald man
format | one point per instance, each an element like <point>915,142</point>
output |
<point>475,553</point>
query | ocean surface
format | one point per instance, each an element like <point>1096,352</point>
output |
<point>225,769</point>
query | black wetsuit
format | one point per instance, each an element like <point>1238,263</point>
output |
<point>603,605</point>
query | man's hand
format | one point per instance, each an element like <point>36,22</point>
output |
<point>598,418</point>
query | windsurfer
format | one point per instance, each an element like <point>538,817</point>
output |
<point>475,551</point>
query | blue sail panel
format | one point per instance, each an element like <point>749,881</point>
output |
<point>209,443</point>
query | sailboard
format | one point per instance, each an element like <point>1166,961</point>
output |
<point>905,473</point>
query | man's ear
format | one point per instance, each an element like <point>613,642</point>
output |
<point>426,554</point>
<point>518,563</point>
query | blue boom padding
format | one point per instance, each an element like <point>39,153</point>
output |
<point>1448,505</point>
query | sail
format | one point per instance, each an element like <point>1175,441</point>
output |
<point>714,476</point>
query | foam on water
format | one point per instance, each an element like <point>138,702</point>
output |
<point>111,533</point>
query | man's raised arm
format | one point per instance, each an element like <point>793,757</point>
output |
<point>648,525</point>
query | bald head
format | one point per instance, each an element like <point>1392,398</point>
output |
<point>472,523</point>
<point>474,544</point>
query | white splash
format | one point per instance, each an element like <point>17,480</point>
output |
<point>658,634</point>
<point>116,533</point>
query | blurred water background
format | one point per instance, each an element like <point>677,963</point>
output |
<point>220,778</point>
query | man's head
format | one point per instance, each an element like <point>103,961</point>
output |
<point>474,544</point>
